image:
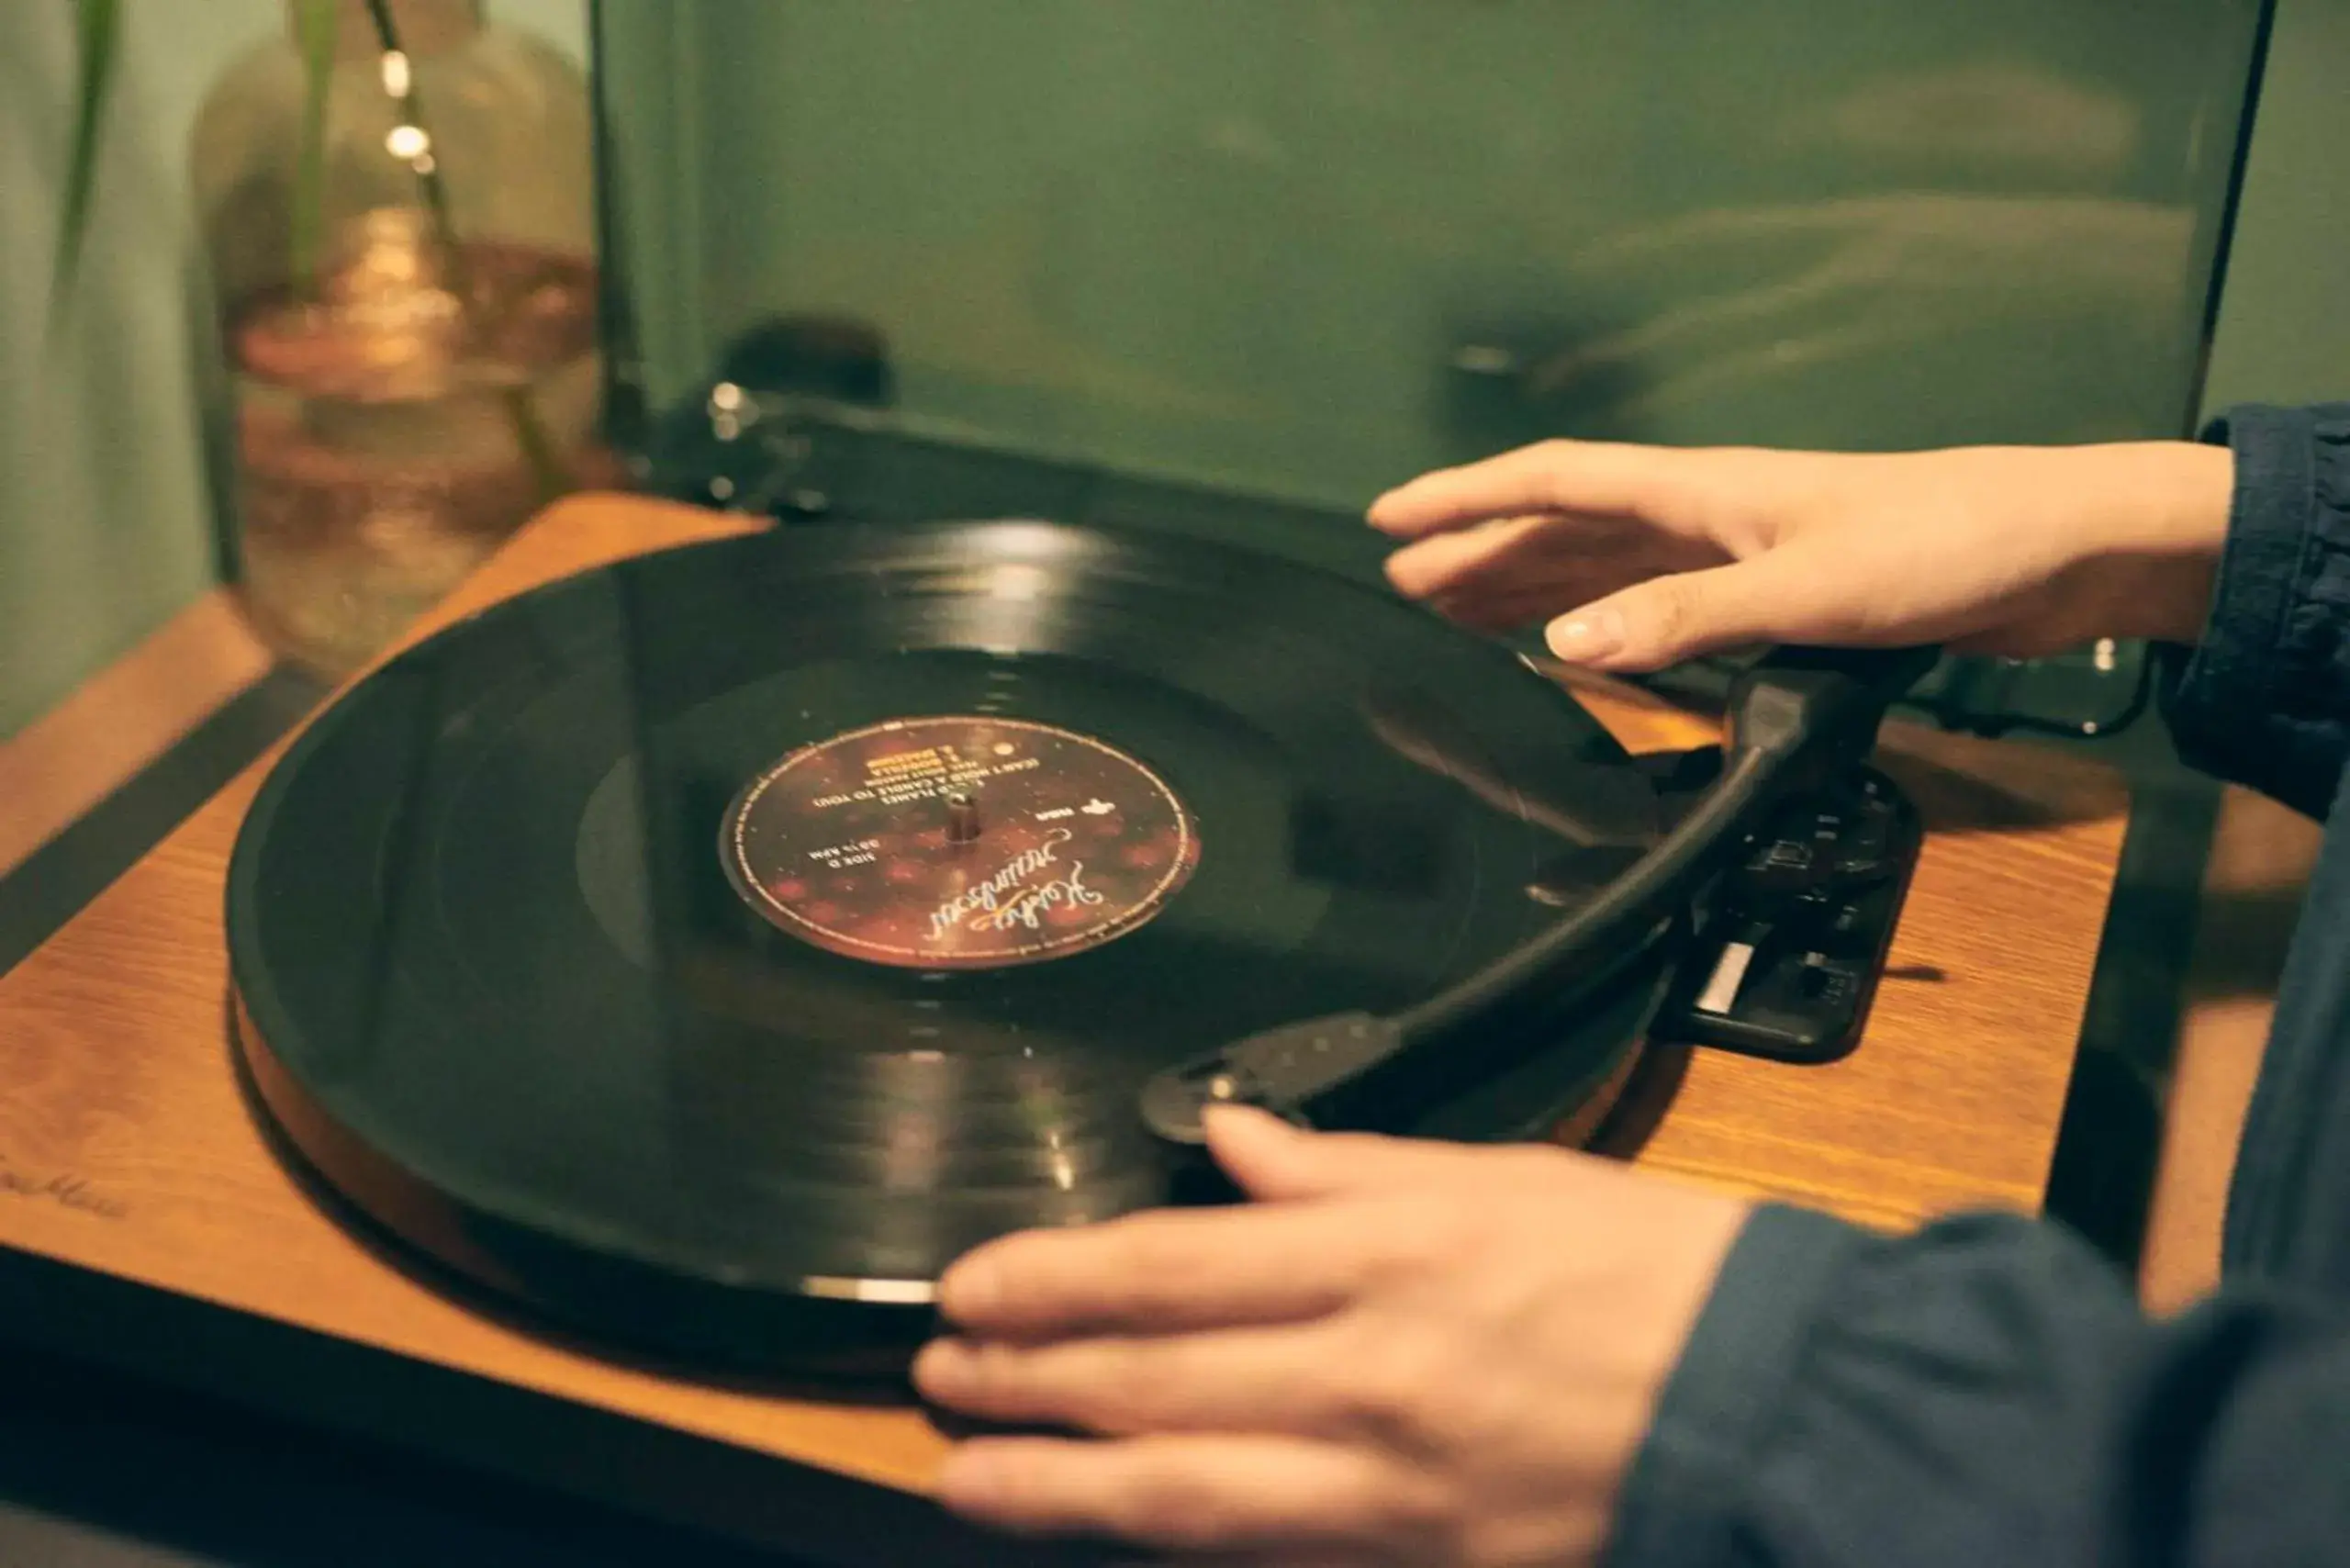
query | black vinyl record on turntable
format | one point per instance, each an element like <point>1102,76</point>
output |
<point>706,949</point>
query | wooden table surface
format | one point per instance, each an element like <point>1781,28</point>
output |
<point>125,1148</point>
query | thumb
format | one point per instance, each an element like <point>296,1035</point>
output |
<point>1273,1162</point>
<point>1667,620</point>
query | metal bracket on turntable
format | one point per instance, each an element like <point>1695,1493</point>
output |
<point>1824,841</point>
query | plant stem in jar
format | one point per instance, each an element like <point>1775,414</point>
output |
<point>530,433</point>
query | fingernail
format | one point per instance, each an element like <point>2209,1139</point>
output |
<point>1582,639</point>
<point>968,1289</point>
<point>1382,511</point>
<point>939,1366</point>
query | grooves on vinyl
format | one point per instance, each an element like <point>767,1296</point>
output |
<point>702,951</point>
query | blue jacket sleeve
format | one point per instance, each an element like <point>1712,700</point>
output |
<point>2263,697</point>
<point>1986,1392</point>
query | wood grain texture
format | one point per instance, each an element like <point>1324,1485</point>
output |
<point>1955,1095</point>
<point>123,718</point>
<point>124,1146</point>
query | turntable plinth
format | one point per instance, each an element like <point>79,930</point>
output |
<point>143,1220</point>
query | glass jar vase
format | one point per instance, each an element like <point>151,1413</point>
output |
<point>397,208</point>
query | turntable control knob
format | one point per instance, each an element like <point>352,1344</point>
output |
<point>962,817</point>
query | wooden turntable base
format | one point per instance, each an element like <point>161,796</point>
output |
<point>145,1222</point>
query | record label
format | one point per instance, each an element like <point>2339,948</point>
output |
<point>965,841</point>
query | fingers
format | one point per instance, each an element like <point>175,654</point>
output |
<point>1190,1493</point>
<point>1163,1271</point>
<point>1494,617</point>
<point>1231,1380</point>
<point>1446,562</point>
<point>1501,607</point>
<point>1776,598</point>
<point>1503,575</point>
<point>1275,1162</point>
<point>1648,597</point>
<point>1601,478</point>
<point>1287,1258</point>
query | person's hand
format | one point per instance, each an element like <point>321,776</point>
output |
<point>1401,1352</point>
<point>1638,558</point>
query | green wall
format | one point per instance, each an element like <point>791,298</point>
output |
<point>105,525</point>
<point>1275,247</point>
<point>2284,334</point>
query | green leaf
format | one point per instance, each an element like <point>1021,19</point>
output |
<point>95,20</point>
<point>315,23</point>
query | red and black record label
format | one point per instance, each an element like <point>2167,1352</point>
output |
<point>959,843</point>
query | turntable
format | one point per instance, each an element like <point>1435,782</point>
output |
<point>578,1049</point>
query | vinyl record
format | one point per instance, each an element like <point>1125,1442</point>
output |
<point>709,949</point>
